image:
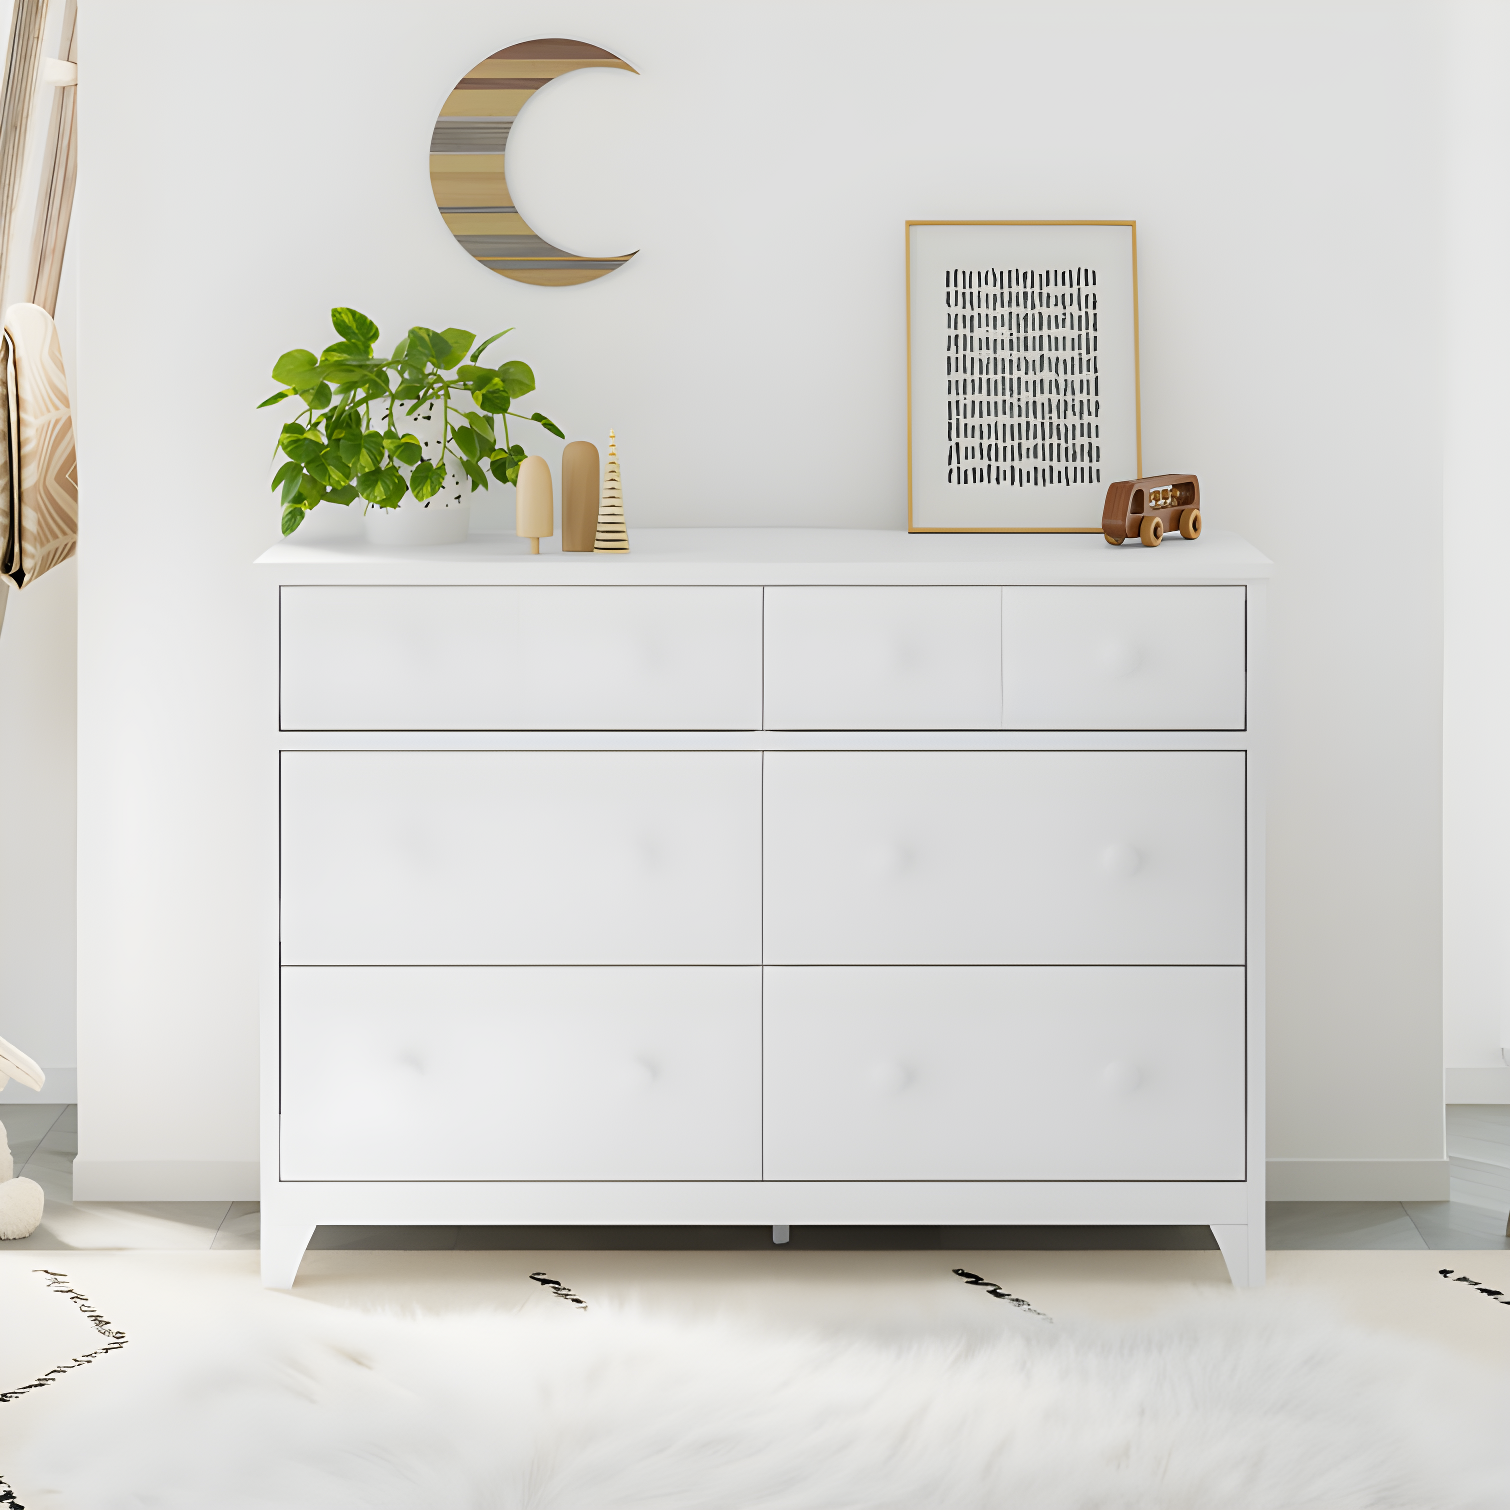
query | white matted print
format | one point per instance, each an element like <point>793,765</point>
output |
<point>1022,371</point>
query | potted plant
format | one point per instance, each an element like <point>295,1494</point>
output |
<point>438,412</point>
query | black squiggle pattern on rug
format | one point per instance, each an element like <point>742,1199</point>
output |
<point>1497,1296</point>
<point>996,1291</point>
<point>560,1290</point>
<point>114,1341</point>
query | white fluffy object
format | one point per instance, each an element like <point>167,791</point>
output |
<point>20,1208</point>
<point>1244,1405</point>
<point>14,1065</point>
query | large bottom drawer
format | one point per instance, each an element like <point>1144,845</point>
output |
<point>1004,1073</point>
<point>520,1073</point>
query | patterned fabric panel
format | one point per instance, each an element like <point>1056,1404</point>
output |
<point>44,490</point>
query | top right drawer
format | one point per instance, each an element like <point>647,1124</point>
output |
<point>1124,657</point>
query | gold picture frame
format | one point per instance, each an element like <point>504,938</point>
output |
<point>1098,300</point>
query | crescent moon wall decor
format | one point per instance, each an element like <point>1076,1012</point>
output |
<point>467,161</point>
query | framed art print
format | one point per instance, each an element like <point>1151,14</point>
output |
<point>1022,372</point>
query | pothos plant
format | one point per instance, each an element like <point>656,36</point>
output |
<point>338,451</point>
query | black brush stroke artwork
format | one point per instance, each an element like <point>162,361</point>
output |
<point>558,1289</point>
<point>1022,377</point>
<point>114,1341</point>
<point>1498,1296</point>
<point>997,1293</point>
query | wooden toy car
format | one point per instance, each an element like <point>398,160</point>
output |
<point>1147,506</point>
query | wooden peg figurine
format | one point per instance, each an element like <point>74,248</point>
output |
<point>613,537</point>
<point>534,509</point>
<point>579,496</point>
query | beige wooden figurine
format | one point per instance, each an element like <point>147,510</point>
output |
<point>579,495</point>
<point>613,538</point>
<point>534,511</point>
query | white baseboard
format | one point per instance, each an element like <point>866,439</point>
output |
<point>165,1180</point>
<point>61,1088</point>
<point>1479,1087</point>
<point>1358,1180</point>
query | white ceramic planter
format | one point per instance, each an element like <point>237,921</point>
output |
<point>441,520</point>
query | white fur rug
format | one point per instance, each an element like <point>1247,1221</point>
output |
<point>1235,1403</point>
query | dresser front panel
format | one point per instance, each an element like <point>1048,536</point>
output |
<point>970,1073</point>
<point>1124,657</point>
<point>1018,857</point>
<point>459,657</point>
<point>883,658</point>
<point>520,857</point>
<point>520,1074</point>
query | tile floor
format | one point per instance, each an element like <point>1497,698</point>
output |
<point>43,1142</point>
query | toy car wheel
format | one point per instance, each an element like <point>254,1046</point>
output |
<point>1190,524</point>
<point>1153,529</point>
<point>1111,539</point>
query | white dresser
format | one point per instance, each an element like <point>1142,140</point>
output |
<point>765,876</point>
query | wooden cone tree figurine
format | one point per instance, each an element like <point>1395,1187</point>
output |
<point>613,538</point>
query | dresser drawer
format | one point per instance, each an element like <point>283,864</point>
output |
<point>1004,1074</point>
<point>520,1074</point>
<point>520,857</point>
<point>1124,657</point>
<point>883,657</point>
<point>1021,857</point>
<point>520,657</point>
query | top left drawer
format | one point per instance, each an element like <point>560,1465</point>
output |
<point>463,657</point>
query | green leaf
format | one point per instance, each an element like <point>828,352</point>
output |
<point>355,326</point>
<point>329,469</point>
<point>309,490</point>
<point>401,351</point>
<point>409,389</point>
<point>517,378</point>
<point>457,342</point>
<point>468,442</point>
<point>277,398</point>
<point>483,425</point>
<point>293,517</point>
<point>425,345</point>
<point>281,476</point>
<point>383,486</point>
<point>366,451</point>
<point>488,343</point>
<point>478,477</point>
<point>319,398</point>
<point>346,351</point>
<point>546,424</point>
<point>492,399</point>
<point>343,495</point>
<point>298,369</point>
<point>505,467</point>
<point>427,479</point>
<point>404,448</point>
<point>300,444</point>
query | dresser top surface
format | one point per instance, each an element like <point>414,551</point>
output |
<point>773,557</point>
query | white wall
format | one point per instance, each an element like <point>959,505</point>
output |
<point>247,165</point>
<point>1476,692</point>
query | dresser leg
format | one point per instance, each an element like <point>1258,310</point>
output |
<point>283,1245</point>
<point>1243,1248</point>
<point>781,1234</point>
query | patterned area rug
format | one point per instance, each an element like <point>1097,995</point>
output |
<point>789,1380</point>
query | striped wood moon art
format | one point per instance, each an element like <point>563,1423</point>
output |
<point>467,151</point>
